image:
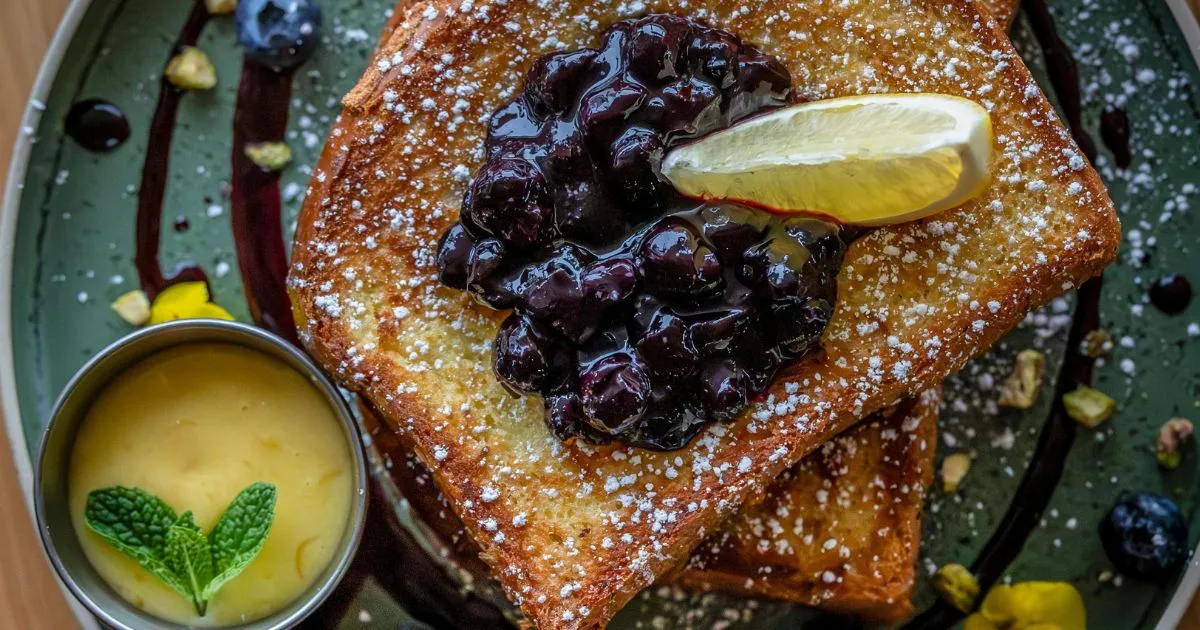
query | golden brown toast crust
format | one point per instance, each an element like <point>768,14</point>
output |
<point>573,532</point>
<point>864,489</point>
<point>840,530</point>
<point>1005,11</point>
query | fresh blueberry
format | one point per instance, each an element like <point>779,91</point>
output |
<point>280,34</point>
<point>1145,536</point>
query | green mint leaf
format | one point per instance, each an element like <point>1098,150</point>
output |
<point>189,557</point>
<point>240,534</point>
<point>136,523</point>
<point>188,520</point>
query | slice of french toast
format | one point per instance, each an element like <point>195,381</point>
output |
<point>1005,11</point>
<point>840,530</point>
<point>573,531</point>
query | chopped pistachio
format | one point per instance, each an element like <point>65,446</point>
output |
<point>191,69</point>
<point>1089,407</point>
<point>133,307</point>
<point>957,585</point>
<point>272,156</point>
<point>220,7</point>
<point>1021,389</point>
<point>954,468</point>
<point>1171,436</point>
<point>1096,343</point>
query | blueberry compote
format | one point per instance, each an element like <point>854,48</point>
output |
<point>638,315</point>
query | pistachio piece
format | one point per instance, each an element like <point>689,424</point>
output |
<point>1096,343</point>
<point>954,468</point>
<point>133,307</point>
<point>220,7</point>
<point>272,156</point>
<point>1171,436</point>
<point>1021,388</point>
<point>957,586</point>
<point>191,69</point>
<point>1089,407</point>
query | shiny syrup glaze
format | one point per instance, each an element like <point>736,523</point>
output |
<point>154,177</point>
<point>97,125</point>
<point>638,315</point>
<point>255,207</point>
<point>1171,293</point>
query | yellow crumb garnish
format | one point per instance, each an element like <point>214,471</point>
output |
<point>957,585</point>
<point>133,307</point>
<point>1030,605</point>
<point>191,69</point>
<point>185,300</point>
<point>1089,407</point>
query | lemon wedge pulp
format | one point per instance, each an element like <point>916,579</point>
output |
<point>877,159</point>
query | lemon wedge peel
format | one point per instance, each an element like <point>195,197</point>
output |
<point>869,160</point>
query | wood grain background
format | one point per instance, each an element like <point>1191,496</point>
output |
<point>30,599</point>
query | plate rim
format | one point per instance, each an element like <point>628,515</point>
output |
<point>1187,22</point>
<point>9,212</point>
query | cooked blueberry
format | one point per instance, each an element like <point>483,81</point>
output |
<point>280,34</point>
<point>554,79</point>
<point>762,81</point>
<point>585,214</point>
<point>633,177</point>
<point>733,229</point>
<point>666,347</point>
<point>675,261</point>
<point>714,52</point>
<point>668,427</point>
<point>686,105</point>
<point>724,390</point>
<point>453,257</point>
<point>525,360</point>
<point>509,199</point>
<point>510,128</point>
<point>655,46</point>
<point>483,279</point>
<point>799,322</point>
<point>714,332</point>
<point>774,268</point>
<point>615,392</point>
<point>564,416</point>
<point>1146,536</point>
<point>607,283</point>
<point>605,111</point>
<point>552,292</point>
<point>638,315</point>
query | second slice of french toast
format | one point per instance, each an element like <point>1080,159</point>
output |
<point>839,531</point>
<point>573,531</point>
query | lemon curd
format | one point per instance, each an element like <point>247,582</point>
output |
<point>194,425</point>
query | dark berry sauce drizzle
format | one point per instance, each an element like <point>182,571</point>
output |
<point>97,125</point>
<point>154,176</point>
<point>1114,131</point>
<point>638,315</point>
<point>255,206</point>
<point>1048,462</point>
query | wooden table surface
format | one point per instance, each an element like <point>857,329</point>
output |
<point>30,599</point>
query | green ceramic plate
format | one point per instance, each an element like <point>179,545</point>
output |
<point>68,230</point>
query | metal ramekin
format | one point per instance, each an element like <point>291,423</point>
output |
<point>50,482</point>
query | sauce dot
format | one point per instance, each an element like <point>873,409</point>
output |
<point>1171,293</point>
<point>97,125</point>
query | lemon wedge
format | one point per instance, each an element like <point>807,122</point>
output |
<point>877,159</point>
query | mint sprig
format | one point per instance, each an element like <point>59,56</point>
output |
<point>172,547</point>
